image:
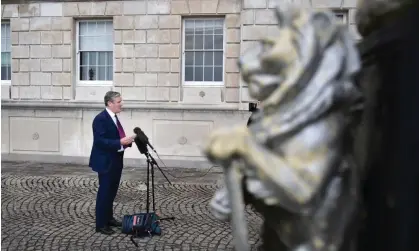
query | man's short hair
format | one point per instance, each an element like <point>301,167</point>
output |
<point>110,96</point>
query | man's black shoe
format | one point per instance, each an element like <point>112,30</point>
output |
<point>115,223</point>
<point>105,230</point>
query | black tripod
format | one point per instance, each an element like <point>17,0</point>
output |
<point>151,162</point>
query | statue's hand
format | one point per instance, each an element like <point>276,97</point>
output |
<point>226,144</point>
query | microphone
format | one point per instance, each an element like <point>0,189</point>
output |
<point>142,137</point>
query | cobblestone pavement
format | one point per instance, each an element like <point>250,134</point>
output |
<point>52,207</point>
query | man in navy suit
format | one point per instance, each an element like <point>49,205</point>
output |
<point>106,158</point>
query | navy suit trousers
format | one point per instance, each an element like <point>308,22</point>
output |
<point>108,188</point>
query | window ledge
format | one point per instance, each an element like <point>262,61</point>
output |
<point>6,82</point>
<point>46,104</point>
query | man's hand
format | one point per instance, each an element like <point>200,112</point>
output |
<point>127,140</point>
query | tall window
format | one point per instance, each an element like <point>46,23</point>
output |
<point>203,51</point>
<point>6,70</point>
<point>95,52</point>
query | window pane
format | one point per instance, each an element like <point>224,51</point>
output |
<point>218,58</point>
<point>92,58</point>
<point>83,28</point>
<point>209,42</point>
<point>188,73</point>
<point>218,73</point>
<point>87,43</point>
<point>103,43</point>
<point>189,42</point>
<point>189,58</point>
<point>209,58</point>
<point>218,42</point>
<point>109,72</point>
<point>5,58</point>
<point>199,58</point>
<point>198,73</point>
<point>84,73</point>
<point>103,58</point>
<point>6,70</point>
<point>110,58</point>
<point>101,73</point>
<point>199,27</point>
<point>96,36</point>
<point>101,28</point>
<point>208,73</point>
<point>218,27</point>
<point>199,42</point>
<point>209,27</point>
<point>189,27</point>
<point>5,37</point>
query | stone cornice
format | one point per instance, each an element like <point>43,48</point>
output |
<point>127,105</point>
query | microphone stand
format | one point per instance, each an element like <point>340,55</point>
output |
<point>151,162</point>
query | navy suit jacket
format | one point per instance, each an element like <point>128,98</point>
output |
<point>106,143</point>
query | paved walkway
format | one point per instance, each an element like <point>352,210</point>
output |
<point>52,207</point>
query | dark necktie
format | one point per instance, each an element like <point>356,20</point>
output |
<point>120,129</point>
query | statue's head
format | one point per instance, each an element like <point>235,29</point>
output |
<point>276,68</point>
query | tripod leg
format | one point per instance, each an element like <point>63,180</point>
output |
<point>148,181</point>
<point>152,186</point>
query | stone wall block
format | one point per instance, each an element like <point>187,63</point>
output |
<point>20,51</point>
<point>29,92</point>
<point>140,65</point>
<point>229,6</point>
<point>169,51</point>
<point>232,20</point>
<point>61,78</point>
<point>51,9</point>
<point>51,37</point>
<point>61,51</point>
<point>29,37</point>
<point>135,7</point>
<point>145,22</point>
<point>158,65</point>
<point>51,92</point>
<point>158,7</point>
<point>40,78</point>
<point>20,78</point>
<point>29,65</point>
<point>133,93</point>
<point>146,79</point>
<point>40,23</point>
<point>62,23</point>
<point>168,79</point>
<point>29,10</point>
<point>146,50</point>
<point>232,95</point>
<point>114,8</point>
<point>19,24</point>
<point>179,7</point>
<point>40,51</point>
<point>123,22</point>
<point>124,79</point>
<point>169,22</point>
<point>158,93</point>
<point>51,65</point>
<point>71,9</point>
<point>10,10</point>
<point>124,51</point>
<point>252,4</point>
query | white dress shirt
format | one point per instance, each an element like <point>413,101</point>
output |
<point>112,114</point>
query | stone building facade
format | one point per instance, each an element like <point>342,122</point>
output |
<point>174,61</point>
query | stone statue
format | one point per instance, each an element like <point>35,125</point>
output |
<point>295,158</point>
